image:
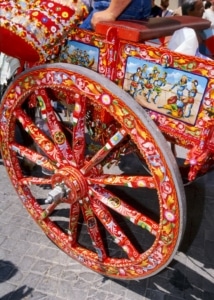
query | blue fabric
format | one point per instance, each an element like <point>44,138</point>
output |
<point>137,10</point>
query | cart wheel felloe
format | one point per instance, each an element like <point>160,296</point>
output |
<point>93,170</point>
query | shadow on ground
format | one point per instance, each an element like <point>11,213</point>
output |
<point>7,271</point>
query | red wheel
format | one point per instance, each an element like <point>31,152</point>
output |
<point>113,199</point>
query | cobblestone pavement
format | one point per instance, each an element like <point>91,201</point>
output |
<point>31,267</point>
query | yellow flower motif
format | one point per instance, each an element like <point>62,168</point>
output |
<point>106,99</point>
<point>65,15</point>
<point>141,183</point>
<point>169,216</point>
<point>77,108</point>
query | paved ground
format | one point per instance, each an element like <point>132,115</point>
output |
<point>31,267</point>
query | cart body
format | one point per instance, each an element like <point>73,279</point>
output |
<point>85,108</point>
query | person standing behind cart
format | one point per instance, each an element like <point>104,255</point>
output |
<point>166,12</point>
<point>209,13</point>
<point>206,4</point>
<point>111,10</point>
<point>156,11</point>
<point>193,8</point>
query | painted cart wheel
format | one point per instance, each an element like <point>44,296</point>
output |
<point>93,170</point>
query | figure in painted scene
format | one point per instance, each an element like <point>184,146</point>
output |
<point>138,81</point>
<point>192,92</point>
<point>180,105</point>
<point>175,103</point>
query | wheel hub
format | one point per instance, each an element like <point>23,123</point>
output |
<point>72,181</point>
